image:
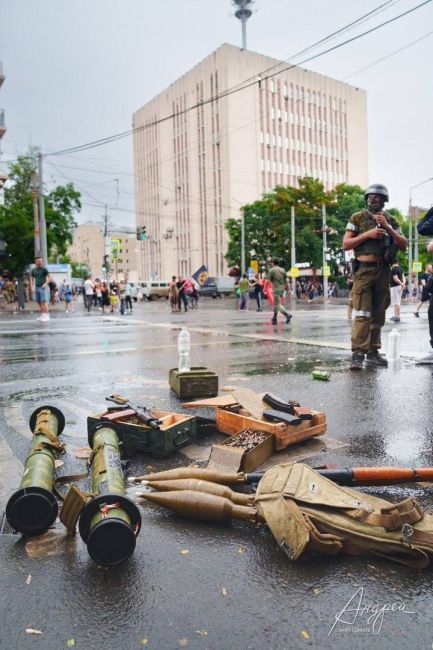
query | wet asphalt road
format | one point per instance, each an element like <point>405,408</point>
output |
<point>234,588</point>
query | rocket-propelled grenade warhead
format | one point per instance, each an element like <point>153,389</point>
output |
<point>200,505</point>
<point>198,485</point>
<point>201,473</point>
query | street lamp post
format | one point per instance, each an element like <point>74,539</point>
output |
<point>412,226</point>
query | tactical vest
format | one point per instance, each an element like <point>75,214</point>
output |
<point>306,511</point>
<point>364,221</point>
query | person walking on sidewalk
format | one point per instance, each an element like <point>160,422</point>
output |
<point>278,277</point>
<point>397,283</point>
<point>88,293</point>
<point>40,288</point>
<point>424,282</point>
<point>374,236</point>
<point>244,289</point>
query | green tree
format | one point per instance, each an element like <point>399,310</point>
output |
<point>16,216</point>
<point>268,224</point>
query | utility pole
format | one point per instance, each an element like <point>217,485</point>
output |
<point>293,247</point>
<point>410,247</point>
<point>242,243</point>
<point>42,222</point>
<point>36,233</point>
<point>416,251</point>
<point>325,246</point>
<point>107,245</point>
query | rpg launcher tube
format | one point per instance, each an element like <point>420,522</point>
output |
<point>200,505</point>
<point>204,474</point>
<point>197,485</point>
<point>33,508</point>
<point>110,521</point>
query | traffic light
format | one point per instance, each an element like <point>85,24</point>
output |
<point>106,264</point>
<point>141,233</point>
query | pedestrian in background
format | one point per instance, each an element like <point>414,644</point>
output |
<point>39,282</point>
<point>128,299</point>
<point>258,291</point>
<point>88,293</point>
<point>105,296</point>
<point>97,291</point>
<point>244,292</point>
<point>122,297</point>
<point>181,295</point>
<point>429,288</point>
<point>397,283</point>
<point>278,277</point>
<point>425,295</point>
<point>172,294</point>
<point>67,296</point>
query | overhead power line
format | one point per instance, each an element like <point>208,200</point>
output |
<point>118,136</point>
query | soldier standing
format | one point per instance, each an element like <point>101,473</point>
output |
<point>374,236</point>
<point>278,278</point>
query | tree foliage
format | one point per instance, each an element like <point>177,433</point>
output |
<point>16,216</point>
<point>268,223</point>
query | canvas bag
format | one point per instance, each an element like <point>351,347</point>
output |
<point>308,512</point>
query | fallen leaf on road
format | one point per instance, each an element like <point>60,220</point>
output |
<point>144,641</point>
<point>224,590</point>
<point>58,463</point>
<point>70,643</point>
<point>241,549</point>
<point>202,632</point>
<point>31,630</point>
<point>305,634</point>
<point>185,551</point>
<point>28,579</point>
<point>183,642</point>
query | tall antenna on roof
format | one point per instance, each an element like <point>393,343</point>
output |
<point>243,13</point>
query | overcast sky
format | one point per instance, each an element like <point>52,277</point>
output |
<point>76,70</point>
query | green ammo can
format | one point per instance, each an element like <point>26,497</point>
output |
<point>198,382</point>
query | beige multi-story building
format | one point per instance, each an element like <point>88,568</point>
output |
<point>235,126</point>
<point>88,248</point>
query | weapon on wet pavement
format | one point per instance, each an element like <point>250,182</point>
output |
<point>140,411</point>
<point>212,475</point>
<point>198,485</point>
<point>343,476</point>
<point>110,521</point>
<point>201,505</point>
<point>33,508</point>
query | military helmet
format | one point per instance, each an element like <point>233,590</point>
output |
<point>377,188</point>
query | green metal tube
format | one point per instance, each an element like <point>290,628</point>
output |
<point>33,508</point>
<point>110,522</point>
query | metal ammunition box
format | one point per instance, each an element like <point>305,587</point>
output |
<point>175,431</point>
<point>198,382</point>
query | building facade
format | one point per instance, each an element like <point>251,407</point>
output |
<point>217,150</point>
<point>88,249</point>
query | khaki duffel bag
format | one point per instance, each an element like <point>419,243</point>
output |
<point>306,511</point>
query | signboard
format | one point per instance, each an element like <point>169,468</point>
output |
<point>416,267</point>
<point>326,271</point>
<point>115,248</point>
<point>294,272</point>
<point>254,264</point>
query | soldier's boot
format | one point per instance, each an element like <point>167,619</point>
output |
<point>357,361</point>
<point>274,319</point>
<point>373,357</point>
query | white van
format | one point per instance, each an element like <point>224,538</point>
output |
<point>153,289</point>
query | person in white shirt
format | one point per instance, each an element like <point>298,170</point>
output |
<point>88,294</point>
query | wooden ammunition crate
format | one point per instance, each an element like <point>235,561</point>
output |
<point>237,459</point>
<point>229,422</point>
<point>198,382</point>
<point>175,431</point>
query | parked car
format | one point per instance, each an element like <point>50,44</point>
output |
<point>218,287</point>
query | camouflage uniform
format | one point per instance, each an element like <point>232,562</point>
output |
<point>370,292</point>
